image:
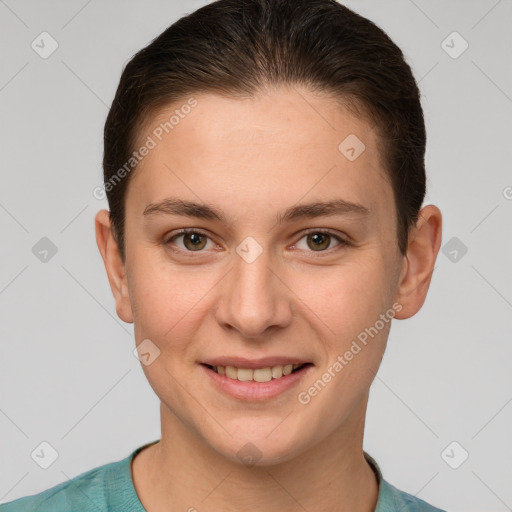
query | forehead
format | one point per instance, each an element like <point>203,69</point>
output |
<point>284,143</point>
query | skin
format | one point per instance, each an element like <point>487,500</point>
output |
<point>252,158</point>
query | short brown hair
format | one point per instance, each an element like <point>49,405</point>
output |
<point>239,47</point>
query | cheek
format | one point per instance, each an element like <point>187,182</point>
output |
<point>353,334</point>
<point>169,301</point>
<point>360,314</point>
<point>354,344</point>
<point>348,298</point>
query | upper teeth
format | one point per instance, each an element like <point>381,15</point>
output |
<point>259,374</point>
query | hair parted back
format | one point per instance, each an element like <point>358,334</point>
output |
<point>238,48</point>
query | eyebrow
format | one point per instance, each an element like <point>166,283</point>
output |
<point>173,206</point>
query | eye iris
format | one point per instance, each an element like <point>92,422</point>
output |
<point>320,240</point>
<point>195,239</point>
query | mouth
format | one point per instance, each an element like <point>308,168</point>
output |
<point>263,374</point>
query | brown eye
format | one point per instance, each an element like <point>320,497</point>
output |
<point>318,241</point>
<point>193,241</point>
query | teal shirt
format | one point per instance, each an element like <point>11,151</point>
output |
<point>109,488</point>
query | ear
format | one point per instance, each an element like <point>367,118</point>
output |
<point>114,265</point>
<point>419,260</point>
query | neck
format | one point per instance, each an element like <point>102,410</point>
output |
<point>181,472</point>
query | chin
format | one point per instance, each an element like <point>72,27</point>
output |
<point>259,444</point>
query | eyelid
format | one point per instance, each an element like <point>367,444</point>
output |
<point>184,231</point>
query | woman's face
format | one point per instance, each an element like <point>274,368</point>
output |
<point>267,276</point>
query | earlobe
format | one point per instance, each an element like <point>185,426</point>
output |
<point>419,261</point>
<point>114,265</point>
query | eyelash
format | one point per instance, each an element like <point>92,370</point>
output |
<point>342,243</point>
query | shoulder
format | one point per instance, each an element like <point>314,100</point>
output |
<point>392,499</point>
<point>88,491</point>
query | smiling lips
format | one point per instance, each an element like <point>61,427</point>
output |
<point>264,374</point>
<point>255,380</point>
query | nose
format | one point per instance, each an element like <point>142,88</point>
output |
<point>255,299</point>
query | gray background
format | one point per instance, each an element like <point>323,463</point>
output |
<point>67,372</point>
